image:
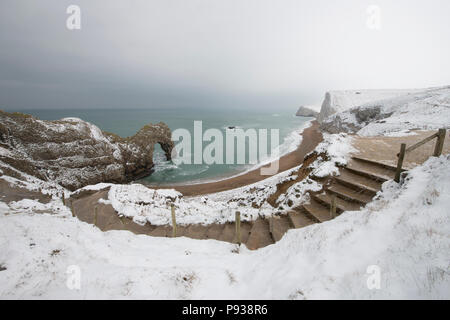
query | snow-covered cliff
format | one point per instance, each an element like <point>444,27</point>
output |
<point>386,112</point>
<point>339,101</point>
<point>75,153</point>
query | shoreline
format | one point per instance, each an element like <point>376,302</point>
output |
<point>311,137</point>
<point>227,176</point>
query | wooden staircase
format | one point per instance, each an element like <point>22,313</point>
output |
<point>356,185</point>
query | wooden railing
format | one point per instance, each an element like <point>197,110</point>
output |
<point>440,136</point>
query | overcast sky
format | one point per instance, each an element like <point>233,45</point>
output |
<point>215,53</point>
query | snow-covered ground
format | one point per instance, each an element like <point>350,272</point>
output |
<point>339,101</point>
<point>426,109</point>
<point>403,237</point>
<point>144,205</point>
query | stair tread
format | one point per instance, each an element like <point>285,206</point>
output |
<point>214,232</point>
<point>196,231</point>
<point>228,232</point>
<point>260,235</point>
<point>375,163</point>
<point>368,168</point>
<point>349,193</point>
<point>358,181</point>
<point>246,228</point>
<point>341,205</point>
<point>161,231</point>
<point>299,219</point>
<point>279,225</point>
<point>317,210</point>
<point>372,175</point>
<point>181,230</point>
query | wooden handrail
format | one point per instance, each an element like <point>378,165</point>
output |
<point>440,135</point>
<point>418,144</point>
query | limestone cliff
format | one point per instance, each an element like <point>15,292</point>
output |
<point>75,153</point>
<point>305,111</point>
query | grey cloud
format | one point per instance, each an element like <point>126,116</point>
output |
<point>214,52</point>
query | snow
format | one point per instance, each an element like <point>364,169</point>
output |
<point>32,183</point>
<point>338,148</point>
<point>94,187</point>
<point>426,109</point>
<point>404,233</point>
<point>339,101</point>
<point>5,152</point>
<point>154,206</point>
<point>333,151</point>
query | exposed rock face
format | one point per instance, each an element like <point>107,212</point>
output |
<point>354,119</point>
<point>75,153</point>
<point>343,100</point>
<point>306,112</point>
<point>426,109</point>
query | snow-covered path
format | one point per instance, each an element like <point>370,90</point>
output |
<point>405,234</point>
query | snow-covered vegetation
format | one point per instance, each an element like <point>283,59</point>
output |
<point>404,233</point>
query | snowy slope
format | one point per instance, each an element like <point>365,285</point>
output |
<point>427,109</point>
<point>338,101</point>
<point>405,233</point>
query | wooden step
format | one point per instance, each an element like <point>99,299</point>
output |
<point>196,231</point>
<point>317,210</point>
<point>161,231</point>
<point>369,174</point>
<point>228,232</point>
<point>246,228</point>
<point>181,231</point>
<point>214,231</point>
<point>376,163</point>
<point>341,204</point>
<point>278,226</point>
<point>350,194</point>
<point>376,170</point>
<point>299,219</point>
<point>358,182</point>
<point>259,235</point>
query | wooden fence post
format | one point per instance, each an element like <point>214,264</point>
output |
<point>174,221</point>
<point>333,207</point>
<point>95,215</point>
<point>71,208</point>
<point>238,227</point>
<point>440,142</point>
<point>401,156</point>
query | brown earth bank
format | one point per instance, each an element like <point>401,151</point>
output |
<point>311,138</point>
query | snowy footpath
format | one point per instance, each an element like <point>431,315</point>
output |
<point>397,247</point>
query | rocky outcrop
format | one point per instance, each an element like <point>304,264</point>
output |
<point>75,153</point>
<point>306,112</point>
<point>354,119</point>
<point>426,109</point>
<point>340,101</point>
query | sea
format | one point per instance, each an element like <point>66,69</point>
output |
<point>126,122</point>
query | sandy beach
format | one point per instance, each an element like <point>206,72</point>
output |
<point>311,137</point>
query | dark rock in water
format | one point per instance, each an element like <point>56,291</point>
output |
<point>306,112</point>
<point>75,153</point>
<point>231,127</point>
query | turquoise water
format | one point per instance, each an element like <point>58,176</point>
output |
<point>127,122</point>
